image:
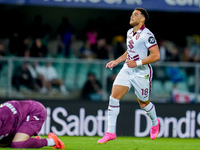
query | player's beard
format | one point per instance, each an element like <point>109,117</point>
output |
<point>134,24</point>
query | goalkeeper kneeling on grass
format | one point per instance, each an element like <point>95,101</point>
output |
<point>20,120</point>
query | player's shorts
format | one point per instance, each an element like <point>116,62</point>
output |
<point>34,121</point>
<point>141,83</point>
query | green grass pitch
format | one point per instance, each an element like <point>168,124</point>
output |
<point>127,143</point>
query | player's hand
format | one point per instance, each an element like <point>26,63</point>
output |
<point>131,63</point>
<point>112,64</point>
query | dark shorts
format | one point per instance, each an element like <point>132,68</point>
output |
<point>34,121</point>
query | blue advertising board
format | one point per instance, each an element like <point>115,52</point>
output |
<point>155,5</point>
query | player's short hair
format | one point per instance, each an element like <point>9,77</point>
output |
<point>144,13</point>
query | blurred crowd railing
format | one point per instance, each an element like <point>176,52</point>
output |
<point>172,82</point>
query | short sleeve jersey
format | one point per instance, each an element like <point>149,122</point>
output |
<point>138,44</point>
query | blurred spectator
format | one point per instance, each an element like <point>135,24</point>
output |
<point>37,49</point>
<point>52,79</point>
<point>40,30</point>
<point>37,73</point>
<point>15,42</point>
<point>24,51</point>
<point>102,49</point>
<point>2,50</point>
<point>2,54</point>
<point>65,36</point>
<point>194,51</point>
<point>91,33</point>
<point>186,54</point>
<point>175,74</point>
<point>174,54</point>
<point>110,81</point>
<point>86,51</point>
<point>92,89</point>
<point>22,76</point>
<point>118,44</point>
<point>47,29</point>
<point>110,51</point>
<point>164,52</point>
<point>186,58</point>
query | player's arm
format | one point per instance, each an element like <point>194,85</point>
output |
<point>114,63</point>
<point>154,56</point>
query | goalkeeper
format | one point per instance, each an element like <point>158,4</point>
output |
<point>20,120</point>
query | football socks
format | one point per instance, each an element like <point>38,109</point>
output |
<point>151,112</point>
<point>113,111</point>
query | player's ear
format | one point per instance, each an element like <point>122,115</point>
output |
<point>143,19</point>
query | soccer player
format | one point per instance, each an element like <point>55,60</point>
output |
<point>19,121</point>
<point>142,50</point>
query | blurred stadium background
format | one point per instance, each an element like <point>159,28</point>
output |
<point>174,23</point>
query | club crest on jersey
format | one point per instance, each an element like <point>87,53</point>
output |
<point>137,36</point>
<point>151,40</point>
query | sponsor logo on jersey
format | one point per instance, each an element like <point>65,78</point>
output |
<point>146,76</point>
<point>151,40</point>
<point>11,107</point>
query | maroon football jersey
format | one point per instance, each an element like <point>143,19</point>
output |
<point>18,115</point>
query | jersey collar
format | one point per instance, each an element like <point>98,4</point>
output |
<point>139,31</point>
